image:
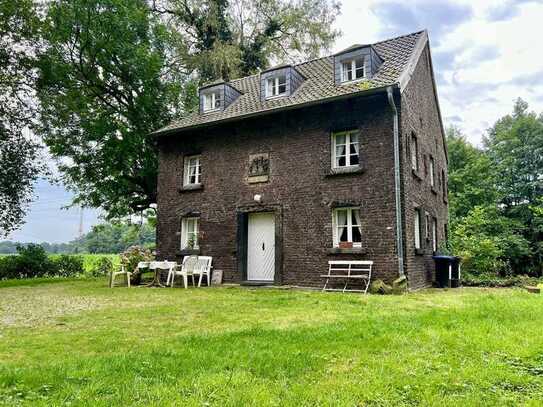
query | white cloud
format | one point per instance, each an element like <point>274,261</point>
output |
<point>488,55</point>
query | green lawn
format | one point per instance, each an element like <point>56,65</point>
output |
<point>79,343</point>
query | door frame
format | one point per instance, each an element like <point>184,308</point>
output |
<point>242,217</point>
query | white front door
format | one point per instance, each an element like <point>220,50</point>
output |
<point>261,247</point>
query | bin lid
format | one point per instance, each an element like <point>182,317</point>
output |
<point>444,257</point>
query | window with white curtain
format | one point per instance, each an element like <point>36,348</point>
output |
<point>417,229</point>
<point>276,86</point>
<point>189,233</point>
<point>347,227</point>
<point>212,101</point>
<point>345,149</point>
<point>352,70</point>
<point>192,171</point>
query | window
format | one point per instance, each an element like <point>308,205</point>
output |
<point>347,228</point>
<point>193,170</point>
<point>432,172</point>
<point>352,69</point>
<point>189,233</point>
<point>345,149</point>
<point>417,229</point>
<point>276,86</point>
<point>414,148</point>
<point>444,182</point>
<point>427,225</point>
<point>434,234</point>
<point>212,101</point>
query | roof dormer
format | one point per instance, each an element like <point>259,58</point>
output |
<point>217,96</point>
<point>356,63</point>
<point>279,81</point>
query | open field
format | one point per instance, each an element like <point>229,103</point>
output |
<point>76,342</point>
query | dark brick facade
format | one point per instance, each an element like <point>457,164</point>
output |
<point>301,190</point>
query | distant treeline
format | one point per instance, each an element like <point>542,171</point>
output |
<point>104,238</point>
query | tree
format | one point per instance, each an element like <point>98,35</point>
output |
<point>113,71</point>
<point>106,83</point>
<point>472,177</point>
<point>232,38</point>
<point>19,166</point>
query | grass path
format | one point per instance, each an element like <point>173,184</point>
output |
<point>80,343</point>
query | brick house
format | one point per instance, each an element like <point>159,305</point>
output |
<point>341,157</point>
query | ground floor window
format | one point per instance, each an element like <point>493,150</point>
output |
<point>189,233</point>
<point>417,228</point>
<point>434,234</point>
<point>347,227</point>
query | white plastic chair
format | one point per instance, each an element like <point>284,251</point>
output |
<point>117,273</point>
<point>203,268</point>
<point>187,269</point>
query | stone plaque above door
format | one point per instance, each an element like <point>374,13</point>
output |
<point>259,168</point>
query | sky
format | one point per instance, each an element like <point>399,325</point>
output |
<point>486,54</point>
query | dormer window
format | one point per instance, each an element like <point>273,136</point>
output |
<point>276,86</point>
<point>352,70</point>
<point>212,101</point>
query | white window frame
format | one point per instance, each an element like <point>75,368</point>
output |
<point>434,234</point>
<point>213,98</point>
<point>350,226</point>
<point>414,150</point>
<point>416,223</point>
<point>427,225</point>
<point>272,86</point>
<point>432,172</point>
<point>185,234</point>
<point>187,170</point>
<point>352,69</point>
<point>348,144</point>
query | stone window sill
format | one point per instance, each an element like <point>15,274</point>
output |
<point>434,191</point>
<point>188,252</point>
<point>419,252</point>
<point>416,174</point>
<point>353,250</point>
<point>345,171</point>
<point>195,187</point>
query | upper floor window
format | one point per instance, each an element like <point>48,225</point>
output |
<point>192,171</point>
<point>432,172</point>
<point>276,86</point>
<point>347,227</point>
<point>345,149</point>
<point>189,233</point>
<point>352,69</point>
<point>414,149</point>
<point>212,101</point>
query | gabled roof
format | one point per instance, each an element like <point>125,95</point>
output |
<point>398,54</point>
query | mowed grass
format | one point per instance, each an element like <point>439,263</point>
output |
<point>80,343</point>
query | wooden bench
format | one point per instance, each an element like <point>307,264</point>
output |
<point>348,270</point>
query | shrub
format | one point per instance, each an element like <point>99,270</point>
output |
<point>132,256</point>
<point>102,267</point>
<point>68,266</point>
<point>30,261</point>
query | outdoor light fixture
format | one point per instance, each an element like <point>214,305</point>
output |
<point>257,198</point>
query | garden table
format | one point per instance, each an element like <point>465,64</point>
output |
<point>157,266</point>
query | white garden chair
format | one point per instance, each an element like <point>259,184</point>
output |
<point>203,268</point>
<point>186,270</point>
<point>123,271</point>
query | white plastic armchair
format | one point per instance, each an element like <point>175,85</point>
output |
<point>203,268</point>
<point>186,270</point>
<point>114,274</point>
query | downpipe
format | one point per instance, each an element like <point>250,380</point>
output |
<point>397,183</point>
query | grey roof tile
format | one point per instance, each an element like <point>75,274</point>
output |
<point>318,85</point>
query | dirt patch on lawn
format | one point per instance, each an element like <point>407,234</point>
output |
<point>33,306</point>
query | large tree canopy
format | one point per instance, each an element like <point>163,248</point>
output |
<point>19,166</point>
<point>115,70</point>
